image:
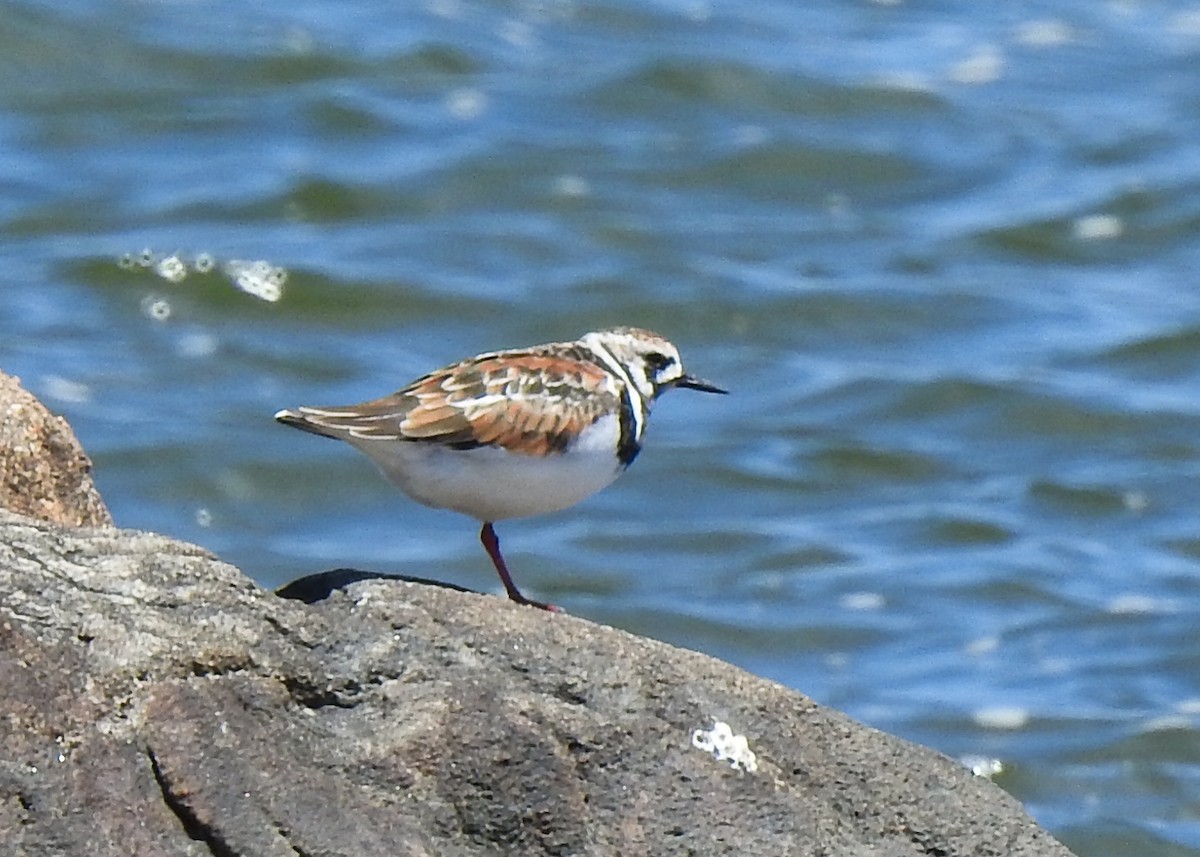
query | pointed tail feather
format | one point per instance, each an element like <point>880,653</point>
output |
<point>296,419</point>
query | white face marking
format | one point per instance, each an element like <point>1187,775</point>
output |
<point>651,362</point>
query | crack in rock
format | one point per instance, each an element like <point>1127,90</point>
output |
<point>192,825</point>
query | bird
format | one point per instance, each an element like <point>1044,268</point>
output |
<point>514,433</point>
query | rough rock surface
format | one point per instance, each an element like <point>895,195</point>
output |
<point>154,701</point>
<point>44,472</point>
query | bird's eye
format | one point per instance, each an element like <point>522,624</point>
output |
<point>657,361</point>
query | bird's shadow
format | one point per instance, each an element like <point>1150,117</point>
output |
<point>317,587</point>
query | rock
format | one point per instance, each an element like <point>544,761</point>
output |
<point>155,701</point>
<point>43,470</point>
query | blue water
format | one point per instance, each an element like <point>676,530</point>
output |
<point>942,254</point>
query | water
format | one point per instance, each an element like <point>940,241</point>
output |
<point>943,255</point>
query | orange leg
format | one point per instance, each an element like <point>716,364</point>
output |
<point>492,545</point>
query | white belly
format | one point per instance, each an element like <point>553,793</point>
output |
<point>491,484</point>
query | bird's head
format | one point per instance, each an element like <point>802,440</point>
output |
<point>651,361</point>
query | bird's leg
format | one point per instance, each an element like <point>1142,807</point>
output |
<point>491,544</point>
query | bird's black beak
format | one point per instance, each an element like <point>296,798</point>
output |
<point>693,383</point>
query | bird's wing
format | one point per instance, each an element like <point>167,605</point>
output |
<point>534,401</point>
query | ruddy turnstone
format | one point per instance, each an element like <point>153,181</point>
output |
<point>508,434</point>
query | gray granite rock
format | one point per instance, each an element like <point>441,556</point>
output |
<point>154,701</point>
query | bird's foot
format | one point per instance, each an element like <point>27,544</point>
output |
<point>541,605</point>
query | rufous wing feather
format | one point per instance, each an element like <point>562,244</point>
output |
<point>535,402</point>
<point>532,403</point>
